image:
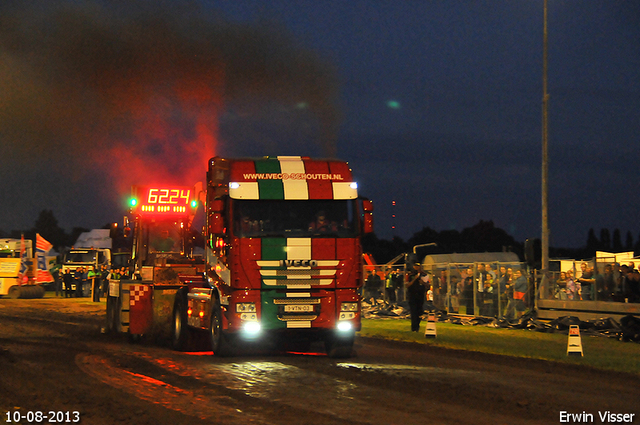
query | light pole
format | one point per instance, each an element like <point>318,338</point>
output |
<point>413,258</point>
<point>424,244</point>
<point>545,157</point>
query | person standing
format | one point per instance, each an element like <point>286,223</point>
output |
<point>466,294</point>
<point>480,278</point>
<point>586,281</point>
<point>609,283</point>
<point>67,281</point>
<point>369,288</point>
<point>399,285</point>
<point>86,289</point>
<point>77,280</point>
<point>520,287</point>
<point>104,280</point>
<point>504,283</point>
<point>415,294</point>
<point>561,287</point>
<point>57,281</point>
<point>390,287</point>
<point>490,297</point>
<point>94,280</point>
<point>570,286</point>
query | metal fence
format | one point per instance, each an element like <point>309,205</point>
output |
<point>493,289</point>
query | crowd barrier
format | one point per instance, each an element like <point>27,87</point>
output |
<point>494,289</point>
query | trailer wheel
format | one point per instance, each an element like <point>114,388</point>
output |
<point>180,332</point>
<point>219,342</point>
<point>339,347</point>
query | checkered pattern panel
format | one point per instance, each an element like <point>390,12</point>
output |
<point>137,293</point>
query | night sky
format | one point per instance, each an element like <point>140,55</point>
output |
<point>436,105</point>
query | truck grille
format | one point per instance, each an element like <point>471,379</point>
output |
<point>273,274</point>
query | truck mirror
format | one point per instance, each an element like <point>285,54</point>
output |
<point>113,231</point>
<point>216,224</point>
<point>367,225</point>
<point>367,217</point>
<point>217,205</point>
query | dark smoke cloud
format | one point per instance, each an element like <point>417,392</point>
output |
<point>136,88</point>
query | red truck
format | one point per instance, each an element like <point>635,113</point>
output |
<point>282,260</point>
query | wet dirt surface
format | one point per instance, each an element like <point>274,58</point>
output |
<point>53,358</point>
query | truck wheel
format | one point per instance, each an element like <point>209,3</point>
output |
<point>339,347</point>
<point>14,292</point>
<point>219,343</point>
<point>135,338</point>
<point>180,332</point>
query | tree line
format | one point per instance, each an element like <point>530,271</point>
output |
<point>482,237</point>
<point>47,226</point>
<point>485,237</point>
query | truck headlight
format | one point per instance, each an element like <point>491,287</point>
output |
<point>251,329</point>
<point>344,326</point>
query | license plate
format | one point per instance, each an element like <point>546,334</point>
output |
<point>298,308</point>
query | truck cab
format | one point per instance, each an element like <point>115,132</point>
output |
<point>283,251</point>
<point>162,261</point>
<point>11,271</point>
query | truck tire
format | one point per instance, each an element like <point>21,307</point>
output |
<point>339,347</point>
<point>14,292</point>
<point>220,344</point>
<point>180,331</point>
<point>41,291</point>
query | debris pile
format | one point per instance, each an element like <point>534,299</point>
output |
<point>628,329</point>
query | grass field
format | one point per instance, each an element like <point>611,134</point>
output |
<point>599,352</point>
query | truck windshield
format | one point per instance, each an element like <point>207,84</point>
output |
<point>165,236</point>
<point>80,257</point>
<point>6,253</point>
<point>308,218</point>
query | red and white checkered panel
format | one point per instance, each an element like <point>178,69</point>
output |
<point>138,293</point>
<point>140,309</point>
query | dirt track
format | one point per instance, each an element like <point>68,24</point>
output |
<point>54,358</point>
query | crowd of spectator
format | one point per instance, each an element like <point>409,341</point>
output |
<point>87,281</point>
<point>604,282</point>
<point>476,289</point>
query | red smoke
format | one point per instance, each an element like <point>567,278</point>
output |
<point>135,89</point>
